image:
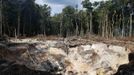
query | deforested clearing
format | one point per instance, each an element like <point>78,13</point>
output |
<point>66,37</point>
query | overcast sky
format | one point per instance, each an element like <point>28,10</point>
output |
<point>58,5</point>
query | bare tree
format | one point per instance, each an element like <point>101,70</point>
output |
<point>131,22</point>
<point>76,31</point>
<point>18,29</point>
<point>131,19</point>
<point>91,27</point>
<point>123,25</point>
<point>107,25</point>
<point>87,23</point>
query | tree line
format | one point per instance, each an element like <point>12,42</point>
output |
<point>112,18</point>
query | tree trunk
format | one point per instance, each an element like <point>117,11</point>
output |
<point>0,17</point>
<point>113,23</point>
<point>76,30</point>
<point>87,28</point>
<point>81,30</point>
<point>3,24</point>
<point>15,34</point>
<point>24,29</point>
<point>103,28</point>
<point>18,29</point>
<point>91,27</point>
<point>44,30</point>
<point>100,28</point>
<point>30,27</point>
<point>130,28</point>
<point>87,25</point>
<point>123,25</point>
<point>107,26</point>
<point>112,28</point>
<point>61,25</point>
<point>120,20</point>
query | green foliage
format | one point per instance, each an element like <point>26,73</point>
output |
<point>45,19</point>
<point>68,20</point>
<point>87,4</point>
<point>111,18</point>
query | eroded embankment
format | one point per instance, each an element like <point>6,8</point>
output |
<point>65,57</point>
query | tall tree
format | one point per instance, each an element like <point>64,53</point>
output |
<point>68,21</point>
<point>88,5</point>
<point>45,18</point>
<point>131,9</point>
<point>19,15</point>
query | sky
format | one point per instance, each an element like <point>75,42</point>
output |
<point>58,5</point>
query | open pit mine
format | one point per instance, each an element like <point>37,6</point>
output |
<point>60,57</point>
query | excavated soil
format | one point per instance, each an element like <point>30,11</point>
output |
<point>70,56</point>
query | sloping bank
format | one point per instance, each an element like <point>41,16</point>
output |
<point>61,57</point>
